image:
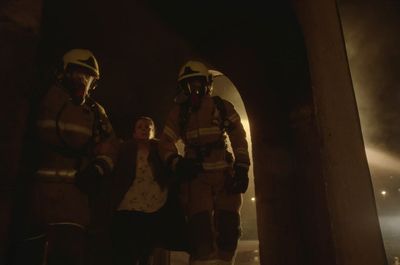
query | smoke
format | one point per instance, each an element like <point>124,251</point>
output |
<point>390,227</point>
<point>373,45</point>
<point>371,30</point>
<point>383,160</point>
<point>223,87</point>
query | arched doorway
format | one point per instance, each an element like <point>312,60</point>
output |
<point>248,244</point>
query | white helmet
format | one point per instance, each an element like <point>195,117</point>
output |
<point>194,68</point>
<point>83,58</point>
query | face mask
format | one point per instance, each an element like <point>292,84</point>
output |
<point>195,97</point>
<point>181,95</point>
<point>78,85</point>
<point>191,91</point>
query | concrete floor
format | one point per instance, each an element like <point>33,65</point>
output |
<point>247,254</point>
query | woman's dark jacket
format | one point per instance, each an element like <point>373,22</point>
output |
<point>173,235</point>
<point>125,170</point>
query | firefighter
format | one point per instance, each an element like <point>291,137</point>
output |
<point>212,178</point>
<point>76,147</point>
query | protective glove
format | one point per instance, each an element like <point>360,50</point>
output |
<point>239,182</point>
<point>187,169</point>
<point>86,178</point>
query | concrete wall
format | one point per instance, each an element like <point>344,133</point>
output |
<point>19,33</point>
<point>349,193</point>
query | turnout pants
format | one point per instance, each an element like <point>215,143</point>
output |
<point>213,216</point>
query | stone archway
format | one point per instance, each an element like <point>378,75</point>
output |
<point>248,244</point>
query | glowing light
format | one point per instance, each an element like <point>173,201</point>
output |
<point>383,193</point>
<point>246,124</point>
<point>381,159</point>
<point>253,199</point>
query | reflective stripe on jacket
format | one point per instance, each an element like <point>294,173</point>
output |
<point>202,128</point>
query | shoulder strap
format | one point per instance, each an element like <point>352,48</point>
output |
<point>183,118</point>
<point>184,114</point>
<point>219,104</point>
<point>99,124</point>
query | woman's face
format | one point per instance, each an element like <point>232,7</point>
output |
<point>144,130</point>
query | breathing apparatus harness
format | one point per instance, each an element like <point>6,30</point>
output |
<point>99,131</point>
<point>204,150</point>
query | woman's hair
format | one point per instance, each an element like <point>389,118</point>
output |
<point>146,118</point>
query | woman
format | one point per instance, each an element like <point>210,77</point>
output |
<point>139,193</point>
<point>143,218</point>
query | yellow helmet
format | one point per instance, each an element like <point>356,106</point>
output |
<point>193,68</point>
<point>83,58</point>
